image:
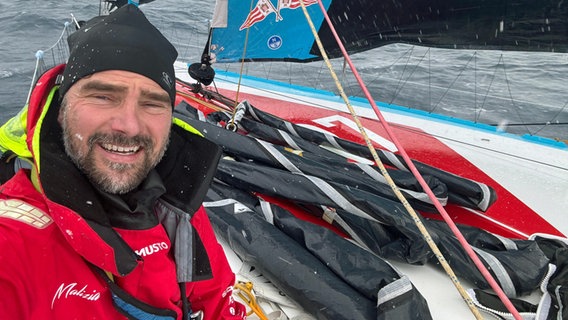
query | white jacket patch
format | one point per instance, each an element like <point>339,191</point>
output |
<point>23,212</point>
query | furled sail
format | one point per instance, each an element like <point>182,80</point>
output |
<point>277,29</point>
<point>276,197</point>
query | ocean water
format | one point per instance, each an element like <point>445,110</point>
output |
<point>27,26</point>
<point>522,93</point>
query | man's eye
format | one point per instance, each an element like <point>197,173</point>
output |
<point>99,98</point>
<point>156,107</point>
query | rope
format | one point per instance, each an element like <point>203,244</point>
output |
<point>232,121</point>
<point>246,293</point>
<point>200,101</point>
<point>413,169</point>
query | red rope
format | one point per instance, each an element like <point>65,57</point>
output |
<point>494,285</point>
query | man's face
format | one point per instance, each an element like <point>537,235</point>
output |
<point>116,127</point>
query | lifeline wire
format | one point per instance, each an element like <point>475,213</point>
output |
<point>413,169</point>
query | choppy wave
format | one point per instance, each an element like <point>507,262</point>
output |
<point>5,74</point>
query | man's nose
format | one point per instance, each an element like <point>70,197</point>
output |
<point>127,118</point>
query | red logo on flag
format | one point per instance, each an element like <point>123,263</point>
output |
<point>294,4</point>
<point>264,8</point>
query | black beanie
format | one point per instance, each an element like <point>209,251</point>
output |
<point>124,40</point>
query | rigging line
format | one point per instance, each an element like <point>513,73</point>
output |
<point>476,94</point>
<point>391,66</point>
<point>401,83</point>
<point>429,77</point>
<point>550,122</point>
<point>232,122</point>
<point>477,112</point>
<point>424,185</point>
<point>515,107</point>
<point>540,123</point>
<point>425,234</point>
<point>451,85</point>
<point>489,87</point>
<point>463,91</point>
<point>205,103</point>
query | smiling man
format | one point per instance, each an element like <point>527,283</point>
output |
<point>116,127</point>
<point>106,222</point>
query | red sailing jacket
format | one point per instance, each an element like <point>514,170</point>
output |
<point>52,258</point>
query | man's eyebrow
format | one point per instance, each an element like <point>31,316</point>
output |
<point>96,85</point>
<point>157,96</point>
